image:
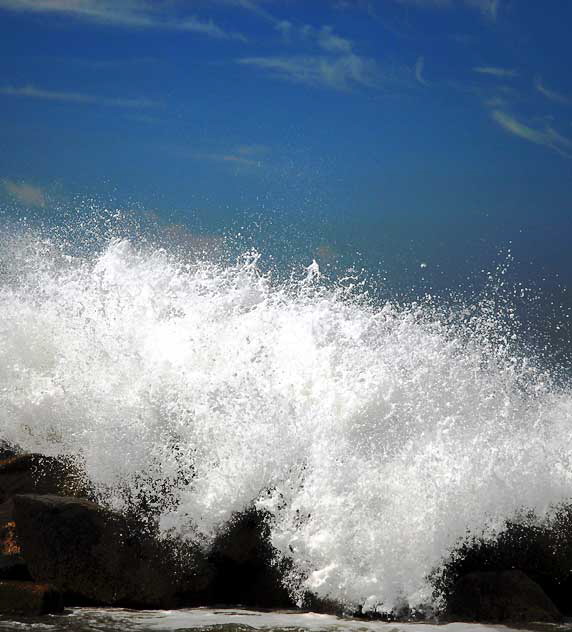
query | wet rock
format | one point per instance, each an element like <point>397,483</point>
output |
<point>83,549</point>
<point>7,450</point>
<point>37,474</point>
<point>96,557</point>
<point>246,569</point>
<point>28,473</point>
<point>14,567</point>
<point>29,598</point>
<point>507,596</point>
<point>324,605</point>
<point>540,548</point>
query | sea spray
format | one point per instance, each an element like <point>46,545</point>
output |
<point>375,436</point>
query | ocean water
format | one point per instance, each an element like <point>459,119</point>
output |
<point>223,620</point>
<point>376,434</point>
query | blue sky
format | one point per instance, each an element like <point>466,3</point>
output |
<point>406,132</point>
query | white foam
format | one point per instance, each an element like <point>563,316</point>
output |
<point>376,437</point>
<point>205,618</point>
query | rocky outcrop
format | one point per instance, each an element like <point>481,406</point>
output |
<point>95,556</point>
<point>50,532</point>
<point>540,549</point>
<point>7,450</point>
<point>507,596</point>
<point>37,474</point>
<point>246,571</point>
<point>93,553</point>
<point>13,566</point>
<point>24,474</point>
<point>29,598</point>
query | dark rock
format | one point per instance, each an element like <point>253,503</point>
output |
<point>541,549</point>
<point>500,596</point>
<point>247,571</point>
<point>324,605</point>
<point>14,567</point>
<point>97,557</point>
<point>7,450</point>
<point>28,473</point>
<point>29,598</point>
<point>37,474</point>
<point>83,549</point>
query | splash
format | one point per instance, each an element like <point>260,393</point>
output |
<point>375,436</point>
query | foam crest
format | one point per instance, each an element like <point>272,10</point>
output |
<point>375,436</point>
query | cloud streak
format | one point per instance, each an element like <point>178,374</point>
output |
<point>33,92</point>
<point>330,61</point>
<point>419,65</point>
<point>324,37</point>
<point>551,94</point>
<point>548,136</point>
<point>488,8</point>
<point>125,13</point>
<point>25,193</point>
<point>495,71</point>
<point>338,73</point>
<point>248,156</point>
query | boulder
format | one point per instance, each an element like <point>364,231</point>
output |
<point>14,567</point>
<point>246,569</point>
<point>37,474</point>
<point>507,596</point>
<point>28,473</point>
<point>541,548</point>
<point>83,549</point>
<point>7,450</point>
<point>29,598</point>
<point>325,605</point>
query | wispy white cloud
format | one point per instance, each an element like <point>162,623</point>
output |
<point>323,58</point>
<point>419,65</point>
<point>193,24</point>
<point>329,41</point>
<point>426,4</point>
<point>323,37</point>
<point>339,73</point>
<point>24,193</point>
<point>34,92</point>
<point>252,150</point>
<point>496,102</point>
<point>488,8</point>
<point>495,71</point>
<point>248,156</point>
<point>547,136</point>
<point>104,64</point>
<point>238,159</point>
<point>126,13</point>
<point>255,7</point>
<point>551,94</point>
<point>328,60</point>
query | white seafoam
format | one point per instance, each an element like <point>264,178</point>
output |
<point>201,619</point>
<point>204,618</point>
<point>376,437</point>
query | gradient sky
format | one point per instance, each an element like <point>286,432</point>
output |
<point>429,135</point>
